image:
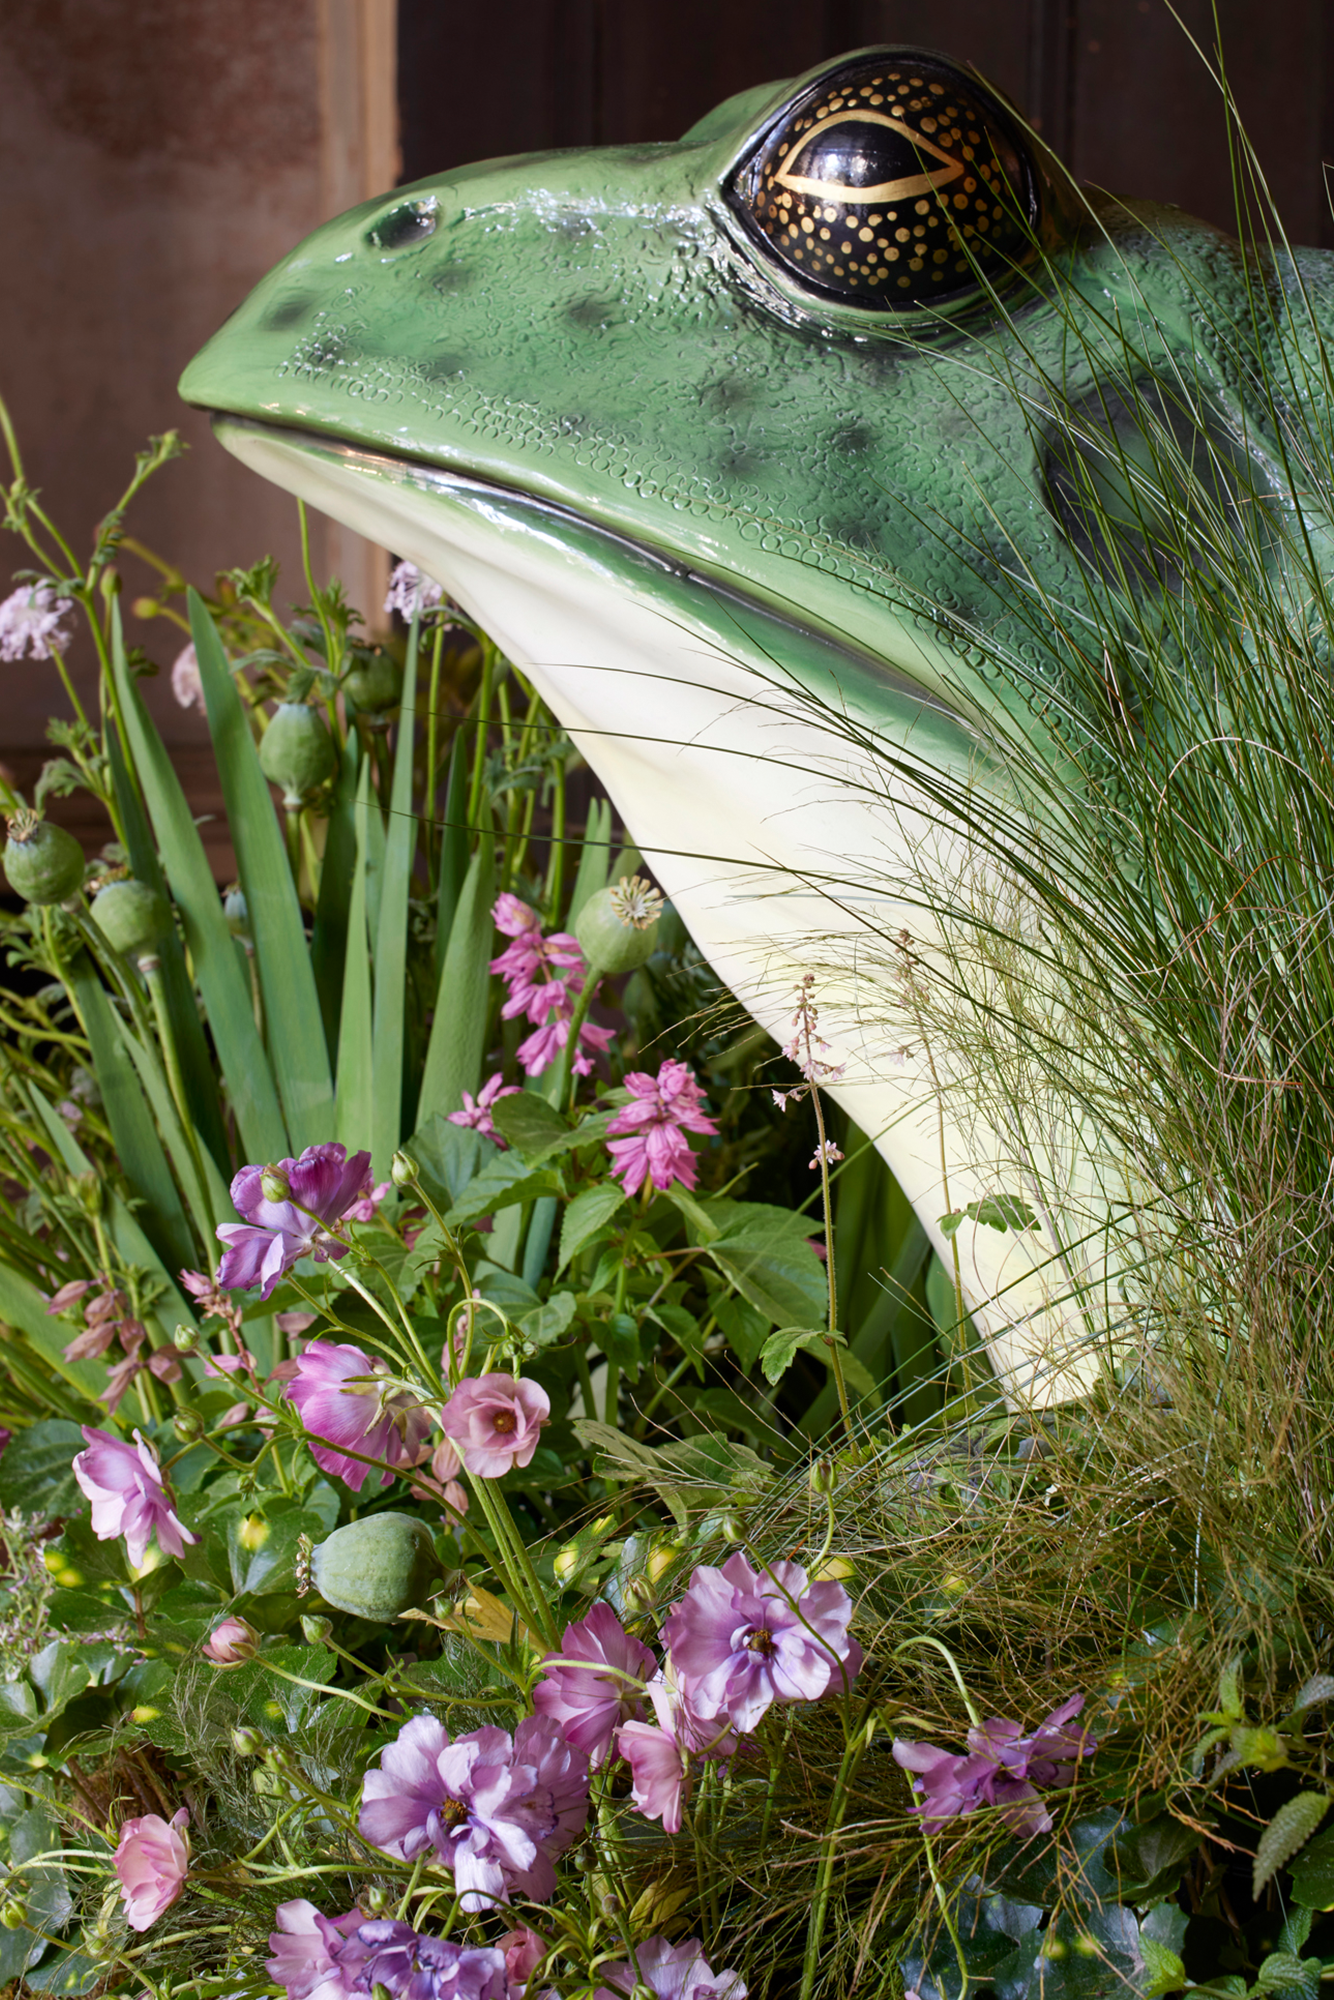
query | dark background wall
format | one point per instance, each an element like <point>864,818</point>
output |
<point>1113,85</point>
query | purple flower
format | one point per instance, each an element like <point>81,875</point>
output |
<point>494,1422</point>
<point>186,682</point>
<point>152,1859</point>
<point>30,622</point>
<point>345,1406</point>
<point>411,1967</point>
<point>543,1046</point>
<point>409,589</point>
<point>315,1957</point>
<point>672,1972</point>
<point>659,1758</point>
<point>325,1185</point>
<point>742,1638</point>
<point>494,1809</point>
<point>1002,1768</point>
<point>666,1107</point>
<point>585,1701</point>
<point>124,1483</point>
<point>476,1111</point>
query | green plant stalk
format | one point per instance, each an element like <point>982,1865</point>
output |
<point>852,1756</point>
<point>831,1343</point>
<point>564,1083</point>
<point>481,724</point>
<point>432,753</point>
<point>332,659</point>
<point>292,829</point>
<point>555,888</point>
<point>171,1062</point>
<point>534,1613</point>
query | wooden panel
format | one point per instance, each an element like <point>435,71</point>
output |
<point>1148,117</point>
<point>470,89</point>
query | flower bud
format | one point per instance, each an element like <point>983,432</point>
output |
<point>641,1593</point>
<point>402,1170</point>
<point>297,752</point>
<point>274,1185</point>
<point>253,1532</point>
<point>88,1191</point>
<point>188,1425</point>
<point>247,1742</point>
<point>231,1643</point>
<point>315,1631</point>
<point>186,1340</point>
<point>611,1905</point>
<point>14,1914</point>
<point>821,1476</point>
<point>661,1560</point>
<point>376,1900</point>
<point>565,1563</point>
<point>731,1529</point>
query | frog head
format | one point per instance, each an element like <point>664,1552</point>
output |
<point>785,460</point>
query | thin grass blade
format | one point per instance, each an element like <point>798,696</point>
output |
<point>453,865</point>
<point>352,1101</point>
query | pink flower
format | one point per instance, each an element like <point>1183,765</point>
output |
<point>345,1406</point>
<point>742,1638</point>
<point>672,1972</point>
<point>211,1299</point>
<point>315,1957</point>
<point>410,590</point>
<point>152,1859</point>
<point>30,622</point>
<point>231,1643</point>
<point>587,1702</point>
<point>324,1185</point>
<point>659,1758</point>
<point>544,1045</point>
<point>666,1107</point>
<point>495,1423</point>
<point>476,1111</point>
<point>124,1483</point>
<point>524,1951</point>
<point>495,1809</point>
<point>364,1210</point>
<point>186,683</point>
<point>1000,1768</point>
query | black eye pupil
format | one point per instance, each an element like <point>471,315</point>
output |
<point>892,183</point>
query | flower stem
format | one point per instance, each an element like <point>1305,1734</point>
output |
<point>819,1909</point>
<point>939,1646</point>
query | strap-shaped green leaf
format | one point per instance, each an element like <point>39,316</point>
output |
<point>205,1190</point>
<point>135,1136</point>
<point>197,1071</point>
<point>328,941</point>
<point>352,1104</point>
<point>218,968</point>
<point>391,936</point>
<point>297,1048</point>
<point>452,869</point>
<point>23,1306</point>
<point>458,1033</point>
<point>594,858</point>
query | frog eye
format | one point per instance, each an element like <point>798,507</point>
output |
<point>408,222</point>
<point>894,182</point>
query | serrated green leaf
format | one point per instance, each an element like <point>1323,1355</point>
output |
<point>585,1215</point>
<point>1287,1832</point>
<point>458,1033</point>
<point>352,1099</point>
<point>501,1183</point>
<point>529,1124</point>
<point>218,967</point>
<point>391,935</point>
<point>291,1005</point>
<point>549,1322</point>
<point>1163,1970</point>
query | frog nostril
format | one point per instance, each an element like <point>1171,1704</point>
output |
<point>408,222</point>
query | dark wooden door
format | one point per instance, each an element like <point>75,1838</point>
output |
<point>1116,86</point>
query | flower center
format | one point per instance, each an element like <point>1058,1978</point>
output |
<point>453,1813</point>
<point>504,1421</point>
<point>759,1639</point>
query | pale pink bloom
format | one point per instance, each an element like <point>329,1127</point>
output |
<point>585,1701</point>
<point>409,589</point>
<point>346,1405</point>
<point>665,1108</point>
<point>446,1465</point>
<point>186,684</point>
<point>476,1111</point>
<point>742,1638</point>
<point>124,1483</point>
<point>495,1422</point>
<point>828,1152</point>
<point>211,1298</point>
<point>231,1643</point>
<point>541,1048</point>
<point>364,1210</point>
<point>659,1758</point>
<point>68,1295</point>
<point>671,1972</point>
<point>152,1860</point>
<point>30,622</point>
<point>524,1951</point>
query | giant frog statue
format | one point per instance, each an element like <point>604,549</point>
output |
<point>746,449</point>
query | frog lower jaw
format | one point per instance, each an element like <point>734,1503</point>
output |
<point>764,773</point>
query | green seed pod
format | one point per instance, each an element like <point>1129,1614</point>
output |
<point>376,1568</point>
<point>297,753</point>
<point>375,683</point>
<point>43,862</point>
<point>131,917</point>
<point>618,928</point>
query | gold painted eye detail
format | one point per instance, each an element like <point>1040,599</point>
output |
<point>894,182</point>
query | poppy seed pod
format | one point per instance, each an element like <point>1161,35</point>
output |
<point>44,863</point>
<point>376,1568</point>
<point>618,927</point>
<point>375,683</point>
<point>131,917</point>
<point>297,753</point>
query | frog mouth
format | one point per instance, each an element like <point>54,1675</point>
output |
<point>440,517</point>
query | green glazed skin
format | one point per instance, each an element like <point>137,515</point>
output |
<point>762,552</point>
<point>377,1568</point>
